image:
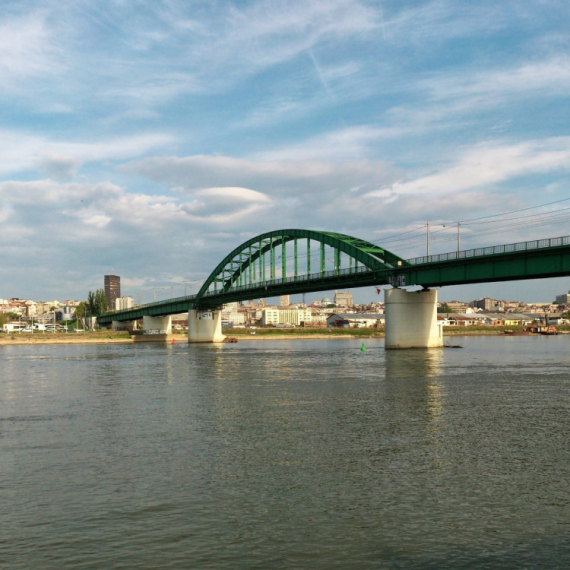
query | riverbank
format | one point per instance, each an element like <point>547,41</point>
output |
<point>97,337</point>
<point>300,333</point>
<point>121,337</point>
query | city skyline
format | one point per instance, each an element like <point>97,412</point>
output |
<point>156,141</point>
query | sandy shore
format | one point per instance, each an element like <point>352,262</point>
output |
<point>103,338</point>
<point>304,336</point>
<point>99,338</point>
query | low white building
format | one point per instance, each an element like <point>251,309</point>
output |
<point>270,317</point>
<point>286,316</point>
<point>124,303</point>
<point>234,317</point>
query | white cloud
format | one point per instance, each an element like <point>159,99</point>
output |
<point>239,194</point>
<point>469,92</point>
<point>98,220</point>
<point>487,164</point>
<point>348,144</point>
<point>315,182</point>
<point>61,159</point>
<point>59,167</point>
<point>27,50</point>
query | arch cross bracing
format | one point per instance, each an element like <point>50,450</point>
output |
<point>256,260</point>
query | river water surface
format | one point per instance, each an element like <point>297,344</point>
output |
<point>286,454</point>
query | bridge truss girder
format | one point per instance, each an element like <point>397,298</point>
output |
<point>240,265</point>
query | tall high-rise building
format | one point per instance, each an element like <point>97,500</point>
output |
<point>112,290</point>
<point>284,300</point>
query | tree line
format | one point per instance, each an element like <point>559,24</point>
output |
<point>95,305</point>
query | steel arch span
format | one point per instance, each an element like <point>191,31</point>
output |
<point>256,260</point>
<point>250,270</point>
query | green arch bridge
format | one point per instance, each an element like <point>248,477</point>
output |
<point>289,261</point>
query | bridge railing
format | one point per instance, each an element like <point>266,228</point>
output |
<point>295,279</point>
<point>256,285</point>
<point>492,250</point>
<point>185,299</point>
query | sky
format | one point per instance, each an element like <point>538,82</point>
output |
<point>149,139</point>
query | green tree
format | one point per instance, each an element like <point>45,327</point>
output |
<point>97,302</point>
<point>80,311</point>
<point>444,309</point>
<point>102,301</point>
<point>91,303</point>
<point>7,317</point>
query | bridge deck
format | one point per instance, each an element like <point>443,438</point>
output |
<point>534,259</point>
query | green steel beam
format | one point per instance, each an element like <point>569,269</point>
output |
<point>370,255</point>
<point>283,259</point>
<point>250,280</point>
<point>296,273</point>
<point>511,264</point>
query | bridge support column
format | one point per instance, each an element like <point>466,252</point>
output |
<point>411,319</point>
<point>205,326</point>
<point>157,324</point>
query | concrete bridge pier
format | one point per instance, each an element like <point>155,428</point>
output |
<point>157,324</point>
<point>205,326</point>
<point>411,319</point>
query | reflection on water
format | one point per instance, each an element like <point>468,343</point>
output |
<point>415,374</point>
<point>285,454</point>
<point>413,363</point>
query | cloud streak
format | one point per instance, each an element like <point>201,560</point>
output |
<point>489,164</point>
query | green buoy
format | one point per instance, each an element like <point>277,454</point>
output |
<point>362,348</point>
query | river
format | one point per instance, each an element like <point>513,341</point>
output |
<point>286,454</point>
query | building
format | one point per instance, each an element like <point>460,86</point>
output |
<point>355,320</point>
<point>457,306</point>
<point>563,299</point>
<point>284,301</point>
<point>270,317</point>
<point>486,304</point>
<point>343,299</point>
<point>233,317</point>
<point>112,289</point>
<point>124,303</point>
<point>286,316</point>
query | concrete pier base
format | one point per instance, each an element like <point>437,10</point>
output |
<point>205,326</point>
<point>411,319</point>
<point>163,324</point>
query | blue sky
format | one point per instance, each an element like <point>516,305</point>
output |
<point>150,138</point>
